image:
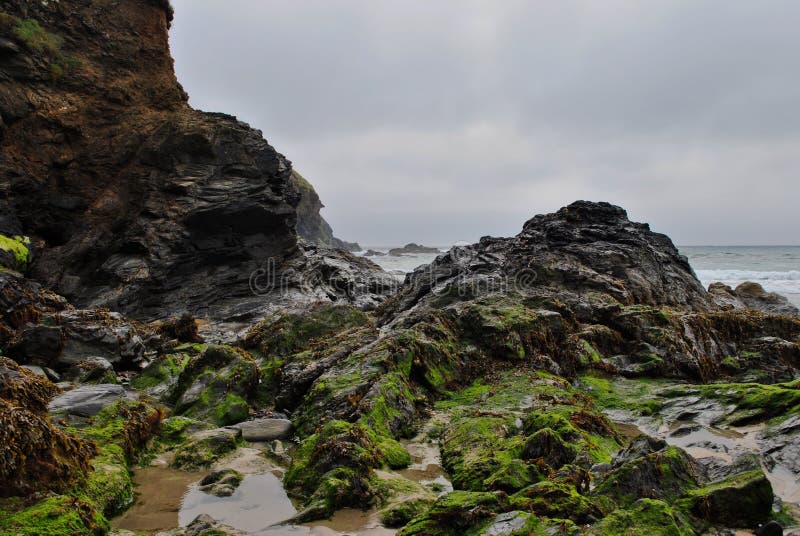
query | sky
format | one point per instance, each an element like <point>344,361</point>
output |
<point>444,121</point>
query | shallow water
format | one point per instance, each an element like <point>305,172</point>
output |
<point>258,502</point>
<point>159,492</point>
<point>703,440</point>
<point>167,498</point>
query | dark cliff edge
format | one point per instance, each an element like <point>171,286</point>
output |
<point>131,199</point>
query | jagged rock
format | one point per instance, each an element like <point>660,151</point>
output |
<point>752,295</point>
<point>373,253</point>
<point>648,470</point>
<point>86,400</point>
<point>606,284</point>
<point>142,204</point>
<point>265,429</point>
<point>742,501</point>
<point>547,445</point>
<point>39,327</point>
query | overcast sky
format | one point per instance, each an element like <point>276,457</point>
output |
<point>438,121</point>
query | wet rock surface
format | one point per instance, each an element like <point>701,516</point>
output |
<point>265,429</point>
<point>529,366</point>
<point>87,400</point>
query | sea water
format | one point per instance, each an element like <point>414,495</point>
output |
<point>776,268</point>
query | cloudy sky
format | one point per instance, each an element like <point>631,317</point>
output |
<point>439,121</point>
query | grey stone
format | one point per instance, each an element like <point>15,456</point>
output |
<point>87,400</point>
<point>265,429</point>
<point>505,524</point>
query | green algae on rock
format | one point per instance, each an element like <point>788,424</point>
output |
<point>215,384</point>
<point>204,448</point>
<point>14,253</point>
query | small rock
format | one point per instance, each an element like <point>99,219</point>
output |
<point>202,525</point>
<point>265,429</point>
<point>221,483</point>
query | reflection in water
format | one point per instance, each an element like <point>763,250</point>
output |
<point>257,503</point>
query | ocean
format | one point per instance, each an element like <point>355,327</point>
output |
<point>776,268</point>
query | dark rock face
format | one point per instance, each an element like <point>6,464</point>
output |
<point>134,200</point>
<point>583,249</point>
<point>598,283</point>
<point>39,327</point>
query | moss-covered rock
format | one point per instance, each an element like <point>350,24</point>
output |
<point>14,252</point>
<point>54,516</point>
<point>513,475</point>
<point>755,402</point>
<point>548,446</point>
<point>284,334</point>
<point>334,467</point>
<point>204,448</point>
<point>742,501</point>
<point>127,424</point>
<point>455,512</point>
<point>161,375</point>
<point>642,472</point>
<point>645,517</point>
<point>216,385</point>
<point>556,500</point>
<point>400,513</point>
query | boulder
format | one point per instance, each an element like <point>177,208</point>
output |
<point>265,429</point>
<point>86,400</point>
<point>216,385</point>
<point>205,447</point>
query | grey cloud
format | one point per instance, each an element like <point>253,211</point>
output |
<point>448,120</point>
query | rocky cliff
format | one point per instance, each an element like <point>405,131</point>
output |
<point>130,198</point>
<point>310,223</point>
